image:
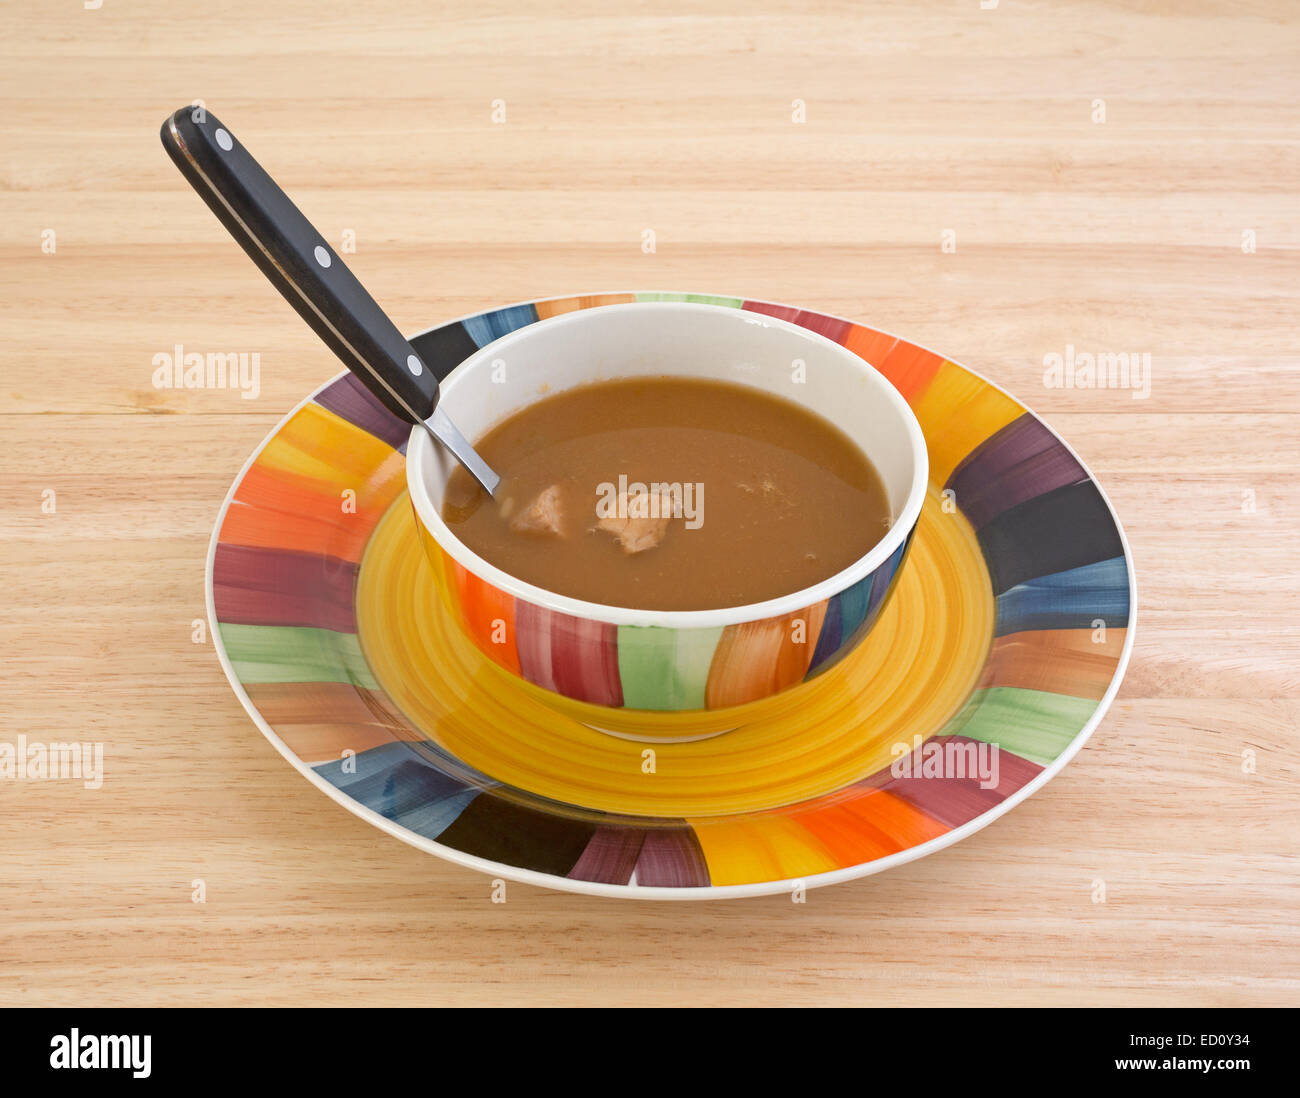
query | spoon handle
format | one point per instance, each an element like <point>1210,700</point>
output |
<point>298,262</point>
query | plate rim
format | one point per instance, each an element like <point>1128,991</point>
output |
<point>663,892</point>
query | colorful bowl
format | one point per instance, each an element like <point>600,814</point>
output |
<point>621,658</point>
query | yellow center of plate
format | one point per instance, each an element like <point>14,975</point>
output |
<point>911,674</point>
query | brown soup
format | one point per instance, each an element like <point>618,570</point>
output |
<point>665,493</point>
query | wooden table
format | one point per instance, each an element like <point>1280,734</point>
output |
<point>1122,234</point>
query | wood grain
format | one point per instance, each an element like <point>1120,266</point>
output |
<point>1121,235</point>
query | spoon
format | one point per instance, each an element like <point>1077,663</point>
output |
<point>311,276</point>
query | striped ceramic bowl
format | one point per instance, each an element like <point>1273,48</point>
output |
<point>616,658</point>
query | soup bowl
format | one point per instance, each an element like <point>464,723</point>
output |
<point>603,661</point>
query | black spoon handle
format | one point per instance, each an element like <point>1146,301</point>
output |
<point>295,257</point>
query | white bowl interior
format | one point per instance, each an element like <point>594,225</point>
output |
<point>677,339</point>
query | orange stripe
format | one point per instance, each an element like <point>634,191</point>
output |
<point>302,533</point>
<point>759,658</point>
<point>573,304</point>
<point>488,614</point>
<point>320,721</point>
<point>910,368</point>
<point>1059,661</point>
<point>293,496</point>
<point>869,344</point>
<point>275,490</point>
<point>869,826</point>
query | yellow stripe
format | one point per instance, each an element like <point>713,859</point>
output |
<point>958,411</point>
<point>768,848</point>
<point>319,445</point>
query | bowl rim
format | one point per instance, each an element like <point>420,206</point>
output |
<point>801,599</point>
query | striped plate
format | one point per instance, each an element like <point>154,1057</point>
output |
<point>999,653</point>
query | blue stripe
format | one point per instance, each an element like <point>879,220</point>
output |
<point>1073,599</point>
<point>401,787</point>
<point>485,328</point>
<point>832,634</point>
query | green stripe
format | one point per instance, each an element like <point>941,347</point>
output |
<point>1033,724</point>
<point>287,653</point>
<point>698,299</point>
<point>665,668</point>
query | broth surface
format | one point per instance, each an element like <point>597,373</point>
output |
<point>767,498</point>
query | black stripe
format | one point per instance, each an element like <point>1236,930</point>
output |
<point>1065,528</point>
<point>445,348</point>
<point>513,834</point>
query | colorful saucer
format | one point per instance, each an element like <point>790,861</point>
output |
<point>1010,627</point>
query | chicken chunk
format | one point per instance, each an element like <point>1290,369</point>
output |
<point>637,523</point>
<point>544,515</point>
